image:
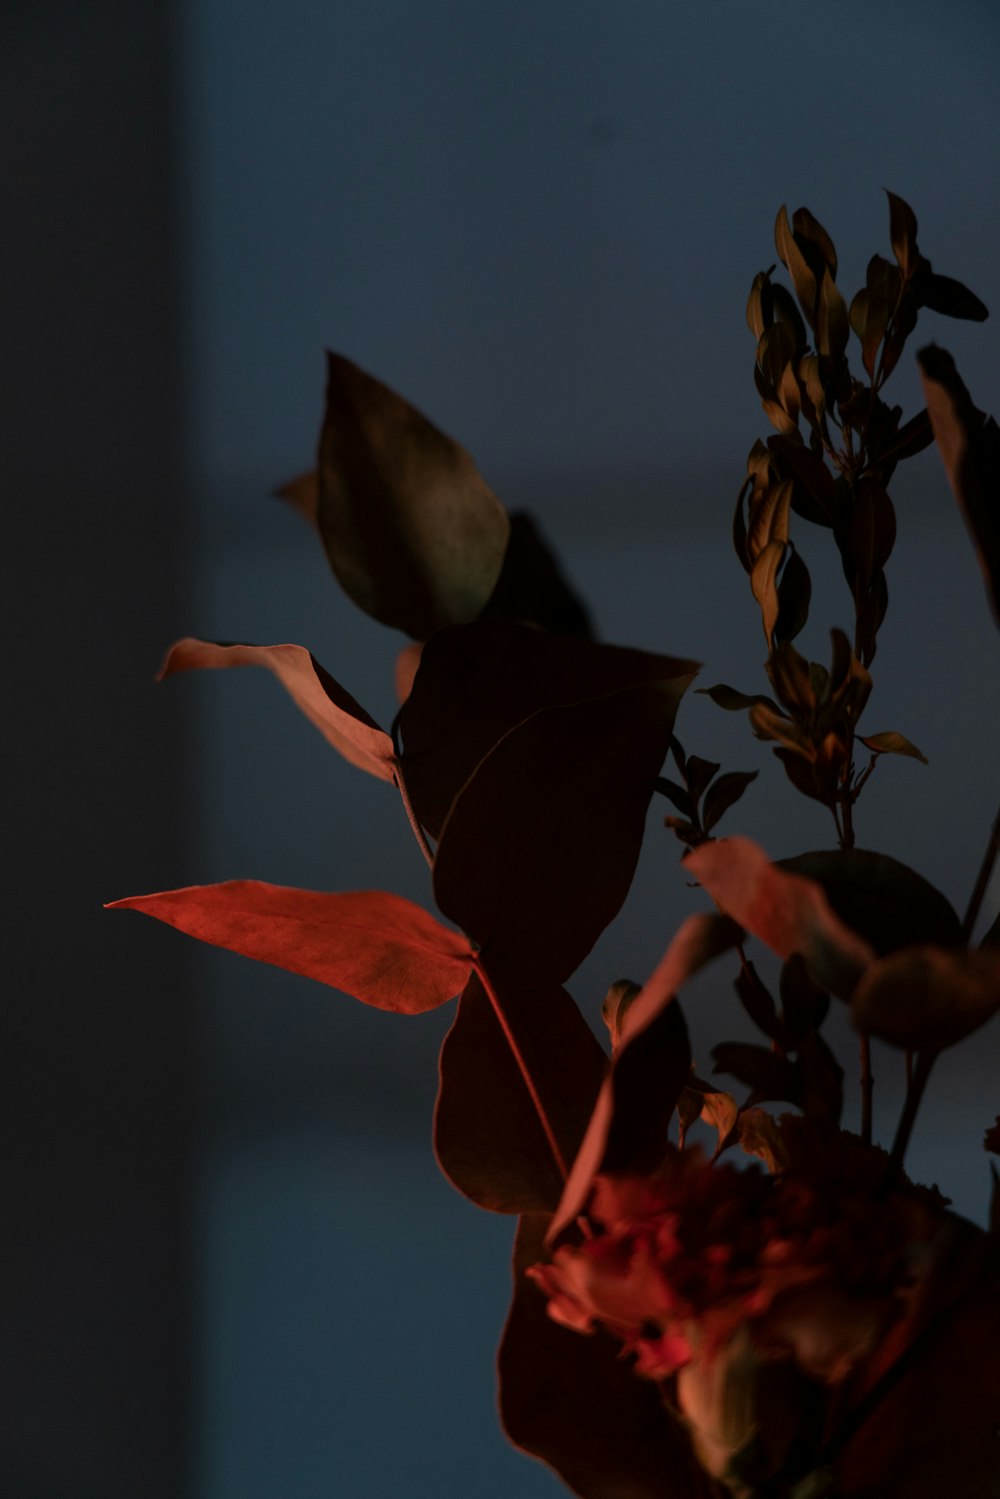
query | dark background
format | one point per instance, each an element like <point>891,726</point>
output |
<point>231,1269</point>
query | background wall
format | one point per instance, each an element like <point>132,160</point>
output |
<point>540,224</point>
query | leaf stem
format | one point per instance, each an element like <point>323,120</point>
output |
<point>523,1068</point>
<point>418,831</point>
<point>982,879</point>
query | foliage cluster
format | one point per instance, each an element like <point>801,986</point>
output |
<point>526,755</point>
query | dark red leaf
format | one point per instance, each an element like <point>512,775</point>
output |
<point>413,533</point>
<point>478,681</point>
<point>883,900</point>
<point>342,721</point>
<point>378,947</point>
<point>572,1402</point>
<point>487,1134</point>
<point>539,850</point>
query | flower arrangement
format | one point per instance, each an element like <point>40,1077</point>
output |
<point>790,1316</point>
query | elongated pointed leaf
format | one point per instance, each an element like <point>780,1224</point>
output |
<point>378,947</point>
<point>488,1137</point>
<point>412,531</point>
<point>650,1069</point>
<point>969,445</point>
<point>539,850</point>
<point>341,720</point>
<point>926,998</point>
<point>785,911</point>
<point>572,1402</point>
<point>886,902</point>
<point>891,743</point>
<point>478,681</point>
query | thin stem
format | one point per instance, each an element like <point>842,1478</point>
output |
<point>922,1071</point>
<point>418,831</point>
<point>867,1088</point>
<point>982,879</point>
<point>524,1070</point>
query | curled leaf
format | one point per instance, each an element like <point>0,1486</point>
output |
<point>378,947</point>
<point>341,720</point>
<point>412,531</point>
<point>785,911</point>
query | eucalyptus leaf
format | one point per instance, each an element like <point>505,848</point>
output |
<point>413,533</point>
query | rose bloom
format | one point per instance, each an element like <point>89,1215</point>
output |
<point>813,1262</point>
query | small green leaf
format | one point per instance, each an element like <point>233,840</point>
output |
<point>892,744</point>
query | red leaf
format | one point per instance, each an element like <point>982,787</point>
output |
<point>785,911</point>
<point>487,1134</point>
<point>572,1402</point>
<point>378,947</point>
<point>478,681</point>
<point>540,848</point>
<point>650,1067</point>
<point>338,717</point>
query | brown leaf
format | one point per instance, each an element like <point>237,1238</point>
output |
<point>342,721</point>
<point>891,743</point>
<point>926,998</point>
<point>413,533</point>
<point>488,1138</point>
<point>302,493</point>
<point>539,850</point>
<point>887,903</point>
<point>478,681</point>
<point>378,947</point>
<point>785,911</point>
<point>650,1069</point>
<point>572,1402</point>
<point>969,445</point>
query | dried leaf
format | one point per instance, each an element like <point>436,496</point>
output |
<point>650,1069</point>
<point>760,1135</point>
<point>378,947</point>
<point>891,743</point>
<point>785,911</point>
<point>488,1138</point>
<point>903,233</point>
<point>969,444</point>
<point>576,1405</point>
<point>342,721</point>
<point>539,850</point>
<point>889,904</point>
<point>478,681</point>
<point>413,533</point>
<point>926,998</point>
